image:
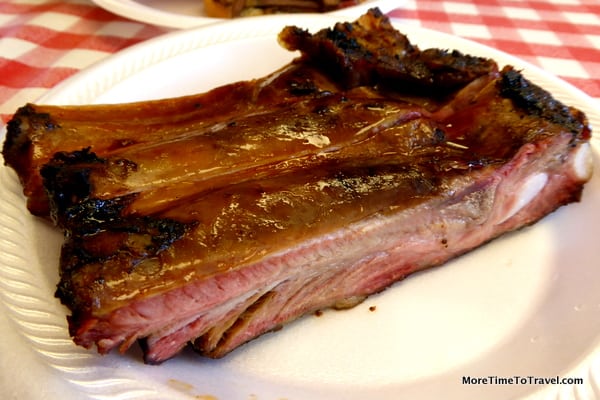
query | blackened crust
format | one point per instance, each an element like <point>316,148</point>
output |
<point>537,101</point>
<point>370,51</point>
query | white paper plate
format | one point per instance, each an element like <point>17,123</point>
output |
<point>524,305</point>
<point>190,13</point>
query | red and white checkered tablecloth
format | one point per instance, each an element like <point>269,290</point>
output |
<point>42,42</point>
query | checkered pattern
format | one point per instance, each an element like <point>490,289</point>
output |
<point>42,42</point>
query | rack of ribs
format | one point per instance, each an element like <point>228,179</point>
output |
<point>365,159</point>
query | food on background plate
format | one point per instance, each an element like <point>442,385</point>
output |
<point>190,220</point>
<point>242,8</point>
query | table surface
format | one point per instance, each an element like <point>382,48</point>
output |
<point>44,42</point>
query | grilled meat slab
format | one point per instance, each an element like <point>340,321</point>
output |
<point>362,161</point>
<point>241,8</point>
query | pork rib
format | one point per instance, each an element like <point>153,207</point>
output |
<point>318,185</point>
